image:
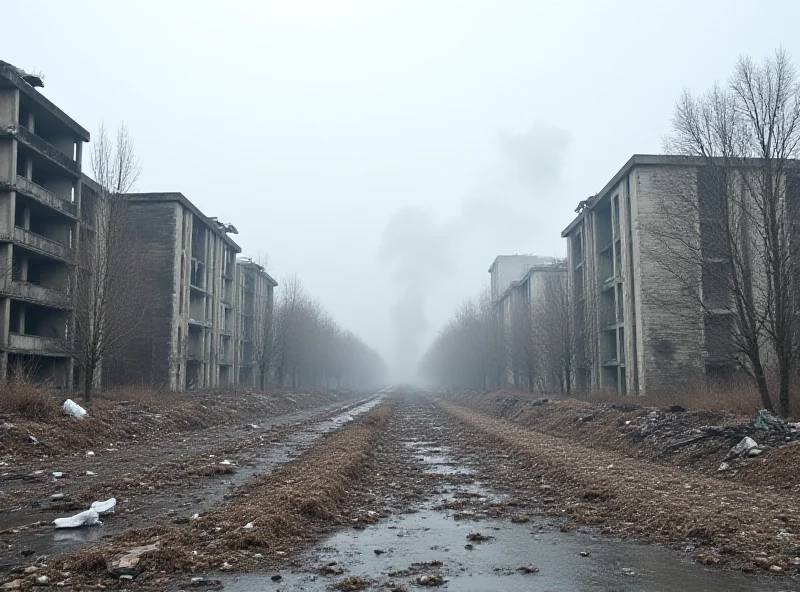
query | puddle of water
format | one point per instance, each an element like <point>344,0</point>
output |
<point>434,536</point>
<point>47,541</point>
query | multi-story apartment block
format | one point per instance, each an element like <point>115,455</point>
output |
<point>40,206</point>
<point>641,330</point>
<point>254,303</point>
<point>506,269</point>
<point>186,339</point>
<point>516,308</point>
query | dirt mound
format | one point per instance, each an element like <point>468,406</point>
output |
<point>132,414</point>
<point>671,435</point>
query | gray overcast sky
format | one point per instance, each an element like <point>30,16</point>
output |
<point>387,151</point>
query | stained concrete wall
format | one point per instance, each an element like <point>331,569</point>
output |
<point>147,356</point>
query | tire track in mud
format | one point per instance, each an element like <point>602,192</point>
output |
<point>451,506</point>
<point>173,490</point>
<point>748,528</point>
<point>285,508</point>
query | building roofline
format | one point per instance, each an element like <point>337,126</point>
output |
<point>11,73</point>
<point>247,262</point>
<point>634,161</point>
<point>176,196</point>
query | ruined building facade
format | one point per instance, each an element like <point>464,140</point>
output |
<point>637,329</point>
<point>40,214</point>
<point>517,308</point>
<point>186,338</point>
<point>254,307</point>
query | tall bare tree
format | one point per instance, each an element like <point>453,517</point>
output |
<point>108,303</point>
<point>552,325</point>
<point>727,230</point>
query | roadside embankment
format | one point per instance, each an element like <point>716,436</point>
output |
<point>268,517</point>
<point>673,435</point>
<point>33,425</point>
<point>599,482</point>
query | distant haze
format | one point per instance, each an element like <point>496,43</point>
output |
<point>386,152</point>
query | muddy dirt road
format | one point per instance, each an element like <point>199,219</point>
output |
<point>401,493</point>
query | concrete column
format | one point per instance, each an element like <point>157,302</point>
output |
<point>9,106</point>
<point>23,269</point>
<point>22,310</point>
<point>26,217</point>
<point>5,317</point>
<point>31,123</point>
<point>29,168</point>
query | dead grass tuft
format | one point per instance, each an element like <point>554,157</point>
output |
<point>27,400</point>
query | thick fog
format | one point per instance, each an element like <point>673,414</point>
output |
<point>383,152</point>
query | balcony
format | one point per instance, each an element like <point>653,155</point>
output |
<point>41,244</point>
<point>46,197</point>
<point>42,147</point>
<point>200,322</point>
<point>33,344</point>
<point>38,294</point>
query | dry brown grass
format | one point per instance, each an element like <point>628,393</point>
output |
<point>635,498</point>
<point>739,397</point>
<point>27,400</point>
<point>288,508</point>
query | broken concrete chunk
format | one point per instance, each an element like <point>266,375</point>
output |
<point>129,563</point>
<point>743,447</point>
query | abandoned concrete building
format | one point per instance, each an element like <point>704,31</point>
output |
<point>186,339</point>
<point>40,206</point>
<point>506,269</point>
<point>516,307</point>
<point>254,303</point>
<point>628,339</point>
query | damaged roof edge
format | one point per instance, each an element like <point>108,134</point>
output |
<point>645,160</point>
<point>11,73</point>
<point>183,200</point>
<point>247,262</point>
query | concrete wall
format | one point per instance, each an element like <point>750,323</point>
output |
<point>669,338</point>
<point>147,356</point>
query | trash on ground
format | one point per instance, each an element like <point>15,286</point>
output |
<point>58,474</point>
<point>70,407</point>
<point>85,518</point>
<point>248,526</point>
<point>105,507</point>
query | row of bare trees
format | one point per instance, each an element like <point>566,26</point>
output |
<point>301,346</point>
<point>525,341</point>
<point>728,230</point>
<point>295,341</point>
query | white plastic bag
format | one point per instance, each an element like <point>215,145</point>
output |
<point>86,518</point>
<point>70,407</point>
<point>104,507</point>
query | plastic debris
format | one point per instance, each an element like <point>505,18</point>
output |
<point>91,474</point>
<point>33,440</point>
<point>105,507</point>
<point>764,420</point>
<point>225,462</point>
<point>248,526</point>
<point>85,518</point>
<point>89,453</point>
<point>70,407</point>
<point>58,474</point>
